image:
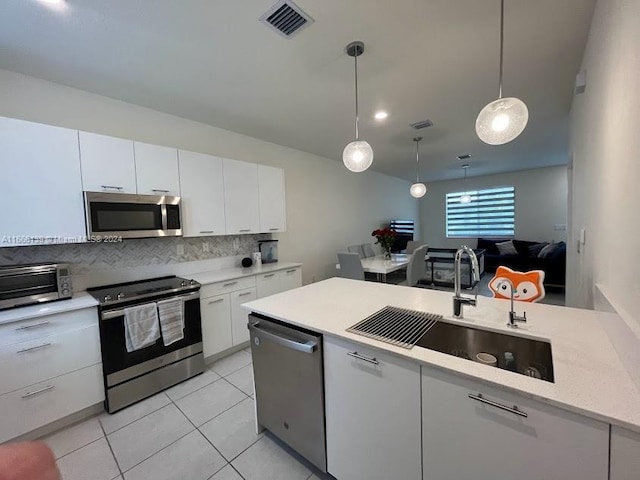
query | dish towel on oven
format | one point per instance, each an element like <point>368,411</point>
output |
<point>171,320</point>
<point>141,327</point>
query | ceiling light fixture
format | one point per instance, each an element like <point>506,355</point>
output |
<point>381,115</point>
<point>505,118</point>
<point>466,198</point>
<point>358,155</point>
<point>54,4</point>
<point>418,189</point>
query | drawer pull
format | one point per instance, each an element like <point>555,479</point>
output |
<point>229,284</point>
<point>270,275</point>
<point>36,392</point>
<point>159,190</point>
<point>513,409</point>
<point>245,294</point>
<point>244,230</point>
<point>33,325</point>
<point>206,231</point>
<point>273,229</point>
<point>362,357</point>
<point>291,271</point>
<point>37,347</point>
<point>113,187</point>
<point>216,301</point>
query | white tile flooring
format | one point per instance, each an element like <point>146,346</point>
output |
<point>201,429</point>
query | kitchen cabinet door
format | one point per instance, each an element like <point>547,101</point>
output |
<point>108,164</point>
<point>216,324</point>
<point>42,184</point>
<point>466,438</point>
<point>202,192</point>
<point>156,170</point>
<point>372,414</point>
<point>268,284</point>
<point>272,199</point>
<point>241,197</point>
<point>290,279</point>
<point>239,316</point>
<point>625,454</point>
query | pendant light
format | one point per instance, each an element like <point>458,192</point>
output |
<point>418,189</point>
<point>358,155</point>
<point>505,118</point>
<point>466,198</point>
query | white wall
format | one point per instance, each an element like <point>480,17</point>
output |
<point>605,144</point>
<point>541,203</point>
<point>328,207</point>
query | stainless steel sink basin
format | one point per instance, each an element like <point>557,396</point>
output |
<point>531,357</point>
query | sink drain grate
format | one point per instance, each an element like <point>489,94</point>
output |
<point>397,326</point>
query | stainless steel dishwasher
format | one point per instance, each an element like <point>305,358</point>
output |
<point>289,381</point>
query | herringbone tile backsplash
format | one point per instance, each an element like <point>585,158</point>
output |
<point>85,257</point>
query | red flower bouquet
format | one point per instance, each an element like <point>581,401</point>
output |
<point>386,237</point>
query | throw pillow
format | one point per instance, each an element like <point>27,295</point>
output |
<point>534,250</point>
<point>507,248</point>
<point>547,251</point>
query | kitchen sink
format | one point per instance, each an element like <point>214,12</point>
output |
<point>530,357</point>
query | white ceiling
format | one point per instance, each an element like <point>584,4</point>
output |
<point>212,61</point>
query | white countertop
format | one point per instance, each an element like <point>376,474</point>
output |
<point>232,273</point>
<point>590,378</point>
<point>80,300</point>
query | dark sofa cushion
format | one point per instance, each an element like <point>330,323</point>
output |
<point>522,247</point>
<point>488,245</point>
<point>534,250</point>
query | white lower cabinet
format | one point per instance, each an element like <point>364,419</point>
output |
<point>625,454</point>
<point>278,281</point>
<point>372,414</point>
<point>290,279</point>
<point>239,316</point>
<point>466,438</point>
<point>216,324</point>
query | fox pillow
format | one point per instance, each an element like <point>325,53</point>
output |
<point>528,285</point>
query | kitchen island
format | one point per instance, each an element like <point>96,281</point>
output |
<point>566,433</point>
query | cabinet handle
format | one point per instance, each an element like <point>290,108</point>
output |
<point>159,191</point>
<point>273,229</point>
<point>513,409</point>
<point>206,231</point>
<point>36,392</point>
<point>229,284</point>
<point>216,301</point>
<point>244,294</point>
<point>33,325</point>
<point>362,357</point>
<point>291,271</point>
<point>113,187</point>
<point>270,275</point>
<point>245,230</point>
<point>37,347</point>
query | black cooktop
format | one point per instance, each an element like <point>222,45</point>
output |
<point>125,292</point>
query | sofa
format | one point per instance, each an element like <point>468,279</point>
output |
<point>554,265</point>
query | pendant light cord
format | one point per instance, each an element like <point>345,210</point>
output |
<point>355,58</point>
<point>417,160</point>
<point>501,46</point>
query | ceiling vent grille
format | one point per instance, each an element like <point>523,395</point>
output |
<point>466,156</point>
<point>422,124</point>
<point>286,18</point>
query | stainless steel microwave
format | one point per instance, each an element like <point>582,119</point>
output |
<point>132,216</point>
<point>27,284</point>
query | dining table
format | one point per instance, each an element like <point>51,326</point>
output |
<point>382,266</point>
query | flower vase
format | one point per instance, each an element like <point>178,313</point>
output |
<point>387,254</point>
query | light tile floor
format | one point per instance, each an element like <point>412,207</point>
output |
<point>201,429</point>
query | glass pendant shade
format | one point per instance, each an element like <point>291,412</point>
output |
<point>357,156</point>
<point>502,121</point>
<point>418,190</point>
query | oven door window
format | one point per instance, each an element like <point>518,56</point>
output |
<point>26,285</point>
<point>114,351</point>
<point>125,217</point>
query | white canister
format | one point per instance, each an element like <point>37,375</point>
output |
<point>257,258</point>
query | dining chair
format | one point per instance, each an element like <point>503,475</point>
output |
<point>417,267</point>
<point>350,266</point>
<point>412,245</point>
<point>367,250</point>
<point>356,249</point>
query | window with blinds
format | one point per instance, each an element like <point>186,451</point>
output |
<point>489,213</point>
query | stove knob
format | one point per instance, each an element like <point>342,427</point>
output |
<point>120,296</point>
<point>108,298</point>
<point>192,282</point>
<point>183,283</point>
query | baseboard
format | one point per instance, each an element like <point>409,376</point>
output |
<point>215,357</point>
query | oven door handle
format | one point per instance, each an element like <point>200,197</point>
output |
<point>109,314</point>
<point>307,347</point>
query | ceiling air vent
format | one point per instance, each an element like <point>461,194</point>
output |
<point>286,18</point>
<point>466,156</point>
<point>422,124</point>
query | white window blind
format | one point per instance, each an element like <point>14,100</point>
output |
<point>490,213</point>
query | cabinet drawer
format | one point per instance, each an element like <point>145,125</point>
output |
<point>39,327</point>
<point>26,363</point>
<point>40,404</point>
<point>268,284</point>
<point>227,286</point>
<point>290,278</point>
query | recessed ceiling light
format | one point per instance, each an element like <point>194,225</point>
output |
<point>381,115</point>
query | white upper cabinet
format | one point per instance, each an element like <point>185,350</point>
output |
<point>272,199</point>
<point>241,197</point>
<point>107,164</point>
<point>156,170</point>
<point>41,180</point>
<point>202,191</point>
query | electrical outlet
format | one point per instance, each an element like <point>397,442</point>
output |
<point>560,227</point>
<point>205,247</point>
<point>180,249</point>
<point>313,279</point>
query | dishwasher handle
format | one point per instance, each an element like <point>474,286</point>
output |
<point>307,347</point>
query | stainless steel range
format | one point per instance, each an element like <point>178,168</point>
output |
<point>130,376</point>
